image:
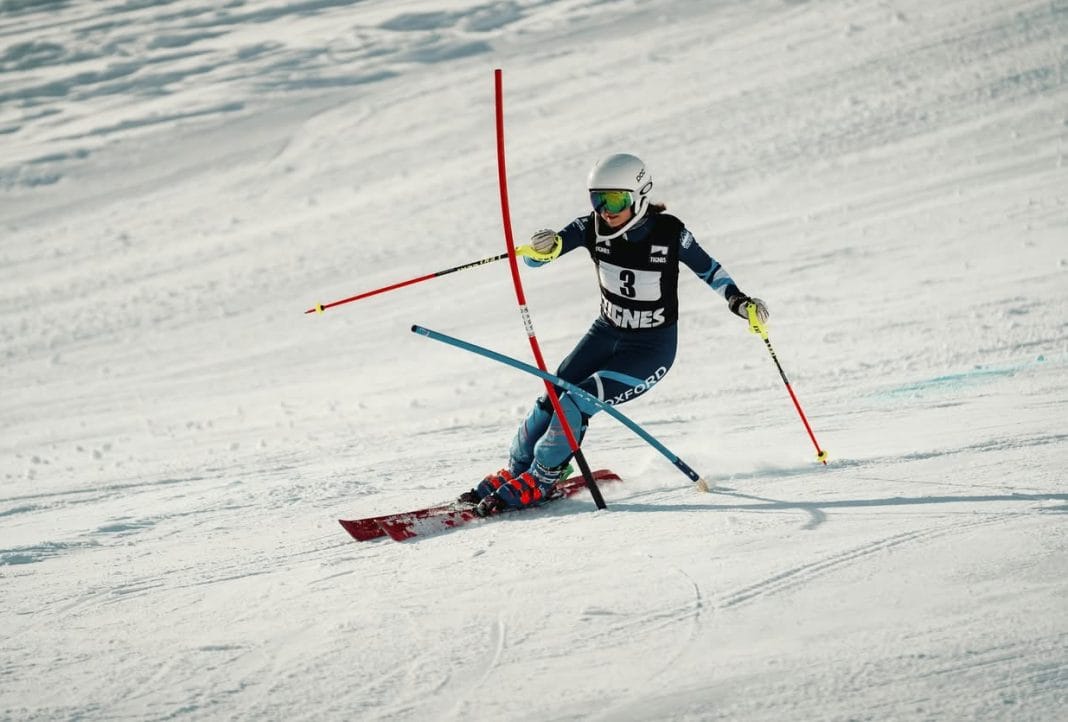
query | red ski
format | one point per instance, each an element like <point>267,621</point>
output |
<point>434,519</point>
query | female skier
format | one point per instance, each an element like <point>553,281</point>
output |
<point>637,248</point>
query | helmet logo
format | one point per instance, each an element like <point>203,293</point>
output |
<point>641,174</point>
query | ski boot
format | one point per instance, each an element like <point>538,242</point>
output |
<point>489,505</point>
<point>486,487</point>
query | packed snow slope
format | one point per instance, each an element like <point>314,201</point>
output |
<point>179,181</point>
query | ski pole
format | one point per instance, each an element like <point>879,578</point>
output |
<point>758,327</point>
<point>522,251</point>
<point>520,297</point>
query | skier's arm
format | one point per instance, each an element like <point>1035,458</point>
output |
<point>713,273</point>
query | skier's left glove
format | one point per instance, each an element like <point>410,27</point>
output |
<point>737,304</point>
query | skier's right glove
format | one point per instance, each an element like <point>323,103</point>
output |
<point>546,245</point>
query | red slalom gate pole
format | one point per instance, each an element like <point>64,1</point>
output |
<point>506,217</point>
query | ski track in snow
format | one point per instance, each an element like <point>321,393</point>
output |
<point>806,573</point>
<point>179,181</point>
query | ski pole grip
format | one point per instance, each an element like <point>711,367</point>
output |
<point>755,324</point>
<point>529,252</point>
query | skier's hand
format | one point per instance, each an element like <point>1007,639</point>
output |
<point>738,303</point>
<point>544,240</point>
<point>547,243</point>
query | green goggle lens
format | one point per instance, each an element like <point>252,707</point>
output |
<point>611,201</point>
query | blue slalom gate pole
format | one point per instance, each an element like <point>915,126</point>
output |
<point>572,388</point>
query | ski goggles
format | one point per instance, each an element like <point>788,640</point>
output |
<point>611,201</point>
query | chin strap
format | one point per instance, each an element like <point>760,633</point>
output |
<point>636,221</point>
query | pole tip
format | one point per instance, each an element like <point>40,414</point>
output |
<point>822,457</point>
<point>703,485</point>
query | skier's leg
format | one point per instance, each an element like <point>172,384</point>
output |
<point>521,452</point>
<point>551,455</point>
<point>639,362</point>
<point>632,363</point>
<point>589,354</point>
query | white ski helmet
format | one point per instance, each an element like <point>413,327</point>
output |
<point>623,172</point>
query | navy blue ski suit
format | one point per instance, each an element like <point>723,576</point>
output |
<point>631,346</point>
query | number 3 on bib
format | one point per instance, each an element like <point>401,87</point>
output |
<point>629,283</point>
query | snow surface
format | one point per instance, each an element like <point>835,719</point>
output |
<point>179,181</point>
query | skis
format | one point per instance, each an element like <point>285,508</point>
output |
<point>435,519</point>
